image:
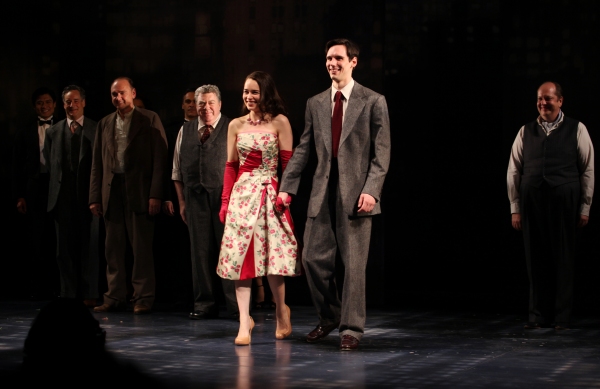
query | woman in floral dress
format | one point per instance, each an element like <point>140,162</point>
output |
<point>259,238</point>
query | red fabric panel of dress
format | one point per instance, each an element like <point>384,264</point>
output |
<point>253,161</point>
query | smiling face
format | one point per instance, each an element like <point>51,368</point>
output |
<point>208,107</point>
<point>122,95</point>
<point>548,103</point>
<point>189,106</point>
<point>73,104</point>
<point>339,65</point>
<point>44,106</point>
<point>251,95</point>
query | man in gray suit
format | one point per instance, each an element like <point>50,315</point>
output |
<point>198,169</point>
<point>127,185</point>
<point>68,149</point>
<point>351,131</point>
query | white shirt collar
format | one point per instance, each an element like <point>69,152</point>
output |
<point>346,91</point>
<point>214,125</point>
<point>80,121</point>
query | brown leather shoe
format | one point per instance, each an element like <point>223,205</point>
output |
<point>141,309</point>
<point>320,332</point>
<point>349,342</point>
<point>90,303</point>
<point>105,308</point>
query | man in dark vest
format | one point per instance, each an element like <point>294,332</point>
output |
<point>68,151</point>
<point>550,186</point>
<point>198,168</point>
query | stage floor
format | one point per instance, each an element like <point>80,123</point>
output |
<point>400,349</point>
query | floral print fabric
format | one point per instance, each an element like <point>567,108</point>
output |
<point>258,240</point>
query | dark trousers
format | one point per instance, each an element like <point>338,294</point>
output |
<point>40,244</point>
<point>206,232</point>
<point>122,224</point>
<point>332,230</point>
<point>549,220</point>
<point>77,248</point>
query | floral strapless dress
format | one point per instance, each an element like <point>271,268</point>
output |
<point>258,240</point>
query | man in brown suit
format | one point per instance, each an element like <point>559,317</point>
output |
<point>127,187</point>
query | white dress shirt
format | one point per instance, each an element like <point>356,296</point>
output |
<point>41,139</point>
<point>122,127</point>
<point>346,92</point>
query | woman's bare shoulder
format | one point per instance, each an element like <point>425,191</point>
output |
<point>237,123</point>
<point>280,120</point>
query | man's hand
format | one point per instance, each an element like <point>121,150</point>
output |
<point>182,211</point>
<point>366,203</point>
<point>21,205</point>
<point>168,208</point>
<point>96,209</point>
<point>154,206</point>
<point>583,220</point>
<point>516,221</point>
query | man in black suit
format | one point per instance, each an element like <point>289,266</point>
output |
<point>30,190</point>
<point>171,232</point>
<point>198,168</point>
<point>68,152</point>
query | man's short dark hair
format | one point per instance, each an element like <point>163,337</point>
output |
<point>69,88</point>
<point>351,48</point>
<point>42,91</point>
<point>557,88</point>
<point>129,80</point>
<point>188,90</point>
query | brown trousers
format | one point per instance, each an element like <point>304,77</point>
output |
<point>121,225</point>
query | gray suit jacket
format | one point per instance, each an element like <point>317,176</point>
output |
<point>53,152</point>
<point>145,161</point>
<point>363,154</point>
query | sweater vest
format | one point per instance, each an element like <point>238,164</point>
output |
<point>550,158</point>
<point>189,156</point>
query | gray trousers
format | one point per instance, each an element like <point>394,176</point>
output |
<point>122,224</point>
<point>206,232</point>
<point>332,230</point>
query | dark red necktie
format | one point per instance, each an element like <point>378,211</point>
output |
<point>205,134</point>
<point>336,123</point>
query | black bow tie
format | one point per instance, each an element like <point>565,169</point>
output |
<point>42,122</point>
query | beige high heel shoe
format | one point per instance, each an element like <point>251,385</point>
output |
<point>245,340</point>
<point>285,333</point>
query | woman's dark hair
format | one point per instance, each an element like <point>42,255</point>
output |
<point>270,101</point>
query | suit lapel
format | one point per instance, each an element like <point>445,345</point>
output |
<point>355,107</point>
<point>59,142</point>
<point>86,138</point>
<point>324,117</point>
<point>135,126</point>
<point>109,137</point>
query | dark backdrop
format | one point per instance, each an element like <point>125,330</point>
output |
<point>460,78</point>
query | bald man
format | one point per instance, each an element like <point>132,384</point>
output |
<point>550,187</point>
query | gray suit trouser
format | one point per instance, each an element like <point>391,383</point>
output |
<point>206,232</point>
<point>332,230</point>
<point>122,223</point>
